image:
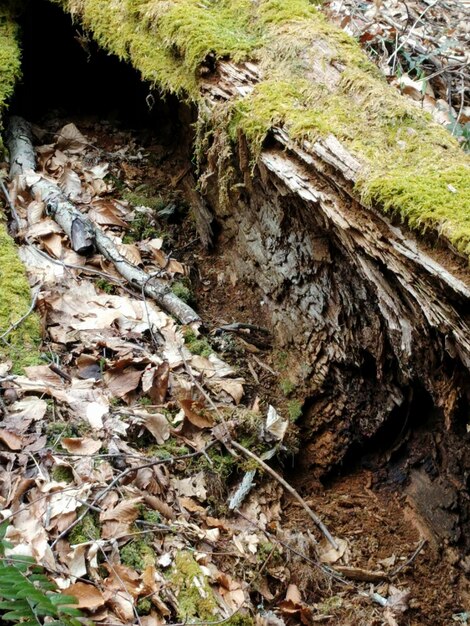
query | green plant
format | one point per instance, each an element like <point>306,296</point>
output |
<point>287,386</point>
<point>294,410</point>
<point>27,596</point>
<point>182,289</point>
<point>105,285</point>
<point>196,346</point>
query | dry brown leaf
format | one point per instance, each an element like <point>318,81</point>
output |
<point>53,244</point>
<point>155,382</point>
<point>201,421</point>
<point>158,425</point>
<point>81,445</point>
<point>192,487</point>
<point>71,184</point>
<point>125,512</point>
<point>11,439</point>
<point>88,596</point>
<point>71,139</point>
<point>105,213</point>
<point>190,505</point>
<point>35,211</point>
<point>43,374</point>
<point>121,381</point>
<point>158,505</point>
<point>293,594</point>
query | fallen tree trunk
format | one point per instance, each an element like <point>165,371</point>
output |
<point>72,221</point>
<point>307,159</point>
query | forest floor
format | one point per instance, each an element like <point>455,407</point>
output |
<point>422,48</point>
<point>114,474</point>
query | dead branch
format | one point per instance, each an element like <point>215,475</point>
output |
<point>73,222</point>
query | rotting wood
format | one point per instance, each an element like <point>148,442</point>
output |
<point>80,229</point>
<point>377,318</point>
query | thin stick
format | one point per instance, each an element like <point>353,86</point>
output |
<point>13,211</point>
<point>313,516</point>
<point>23,317</point>
<point>421,545</point>
<point>231,442</point>
<point>323,568</point>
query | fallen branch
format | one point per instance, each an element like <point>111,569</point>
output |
<point>13,211</point>
<point>80,230</point>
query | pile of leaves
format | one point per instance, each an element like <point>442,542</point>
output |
<point>422,47</point>
<point>117,473</point>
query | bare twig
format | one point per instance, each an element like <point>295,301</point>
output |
<point>231,442</point>
<point>13,211</point>
<point>313,516</point>
<point>421,545</point>
<point>15,325</point>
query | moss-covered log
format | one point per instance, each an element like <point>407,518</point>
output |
<point>310,162</point>
<point>21,345</point>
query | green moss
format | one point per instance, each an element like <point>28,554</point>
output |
<point>22,344</point>
<point>86,530</point>
<point>196,346</point>
<point>10,57</point>
<point>144,606</point>
<point>294,410</point>
<point>143,197</point>
<point>150,516</point>
<point>287,386</point>
<point>137,554</point>
<point>216,462</point>
<point>62,473</point>
<point>142,227</point>
<point>182,291</point>
<point>171,448</point>
<point>240,619</point>
<point>105,285</point>
<point>194,595</point>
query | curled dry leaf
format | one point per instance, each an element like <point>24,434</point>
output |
<point>127,511</point>
<point>81,445</point>
<point>157,424</point>
<point>71,184</point>
<point>71,139</point>
<point>155,382</point>
<point>11,439</point>
<point>122,381</point>
<point>159,505</point>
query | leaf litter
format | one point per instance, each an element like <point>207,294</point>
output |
<point>116,471</point>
